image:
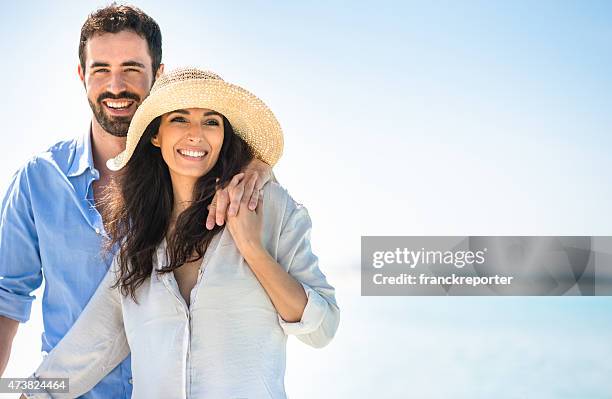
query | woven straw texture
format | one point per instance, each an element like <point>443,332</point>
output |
<point>185,88</point>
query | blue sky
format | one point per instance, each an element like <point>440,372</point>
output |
<point>441,118</point>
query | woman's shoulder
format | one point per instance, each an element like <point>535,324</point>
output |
<point>280,204</point>
<point>275,192</point>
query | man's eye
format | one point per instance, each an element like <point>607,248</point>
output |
<point>100,70</point>
<point>132,70</point>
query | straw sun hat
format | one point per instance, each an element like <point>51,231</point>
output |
<point>185,88</point>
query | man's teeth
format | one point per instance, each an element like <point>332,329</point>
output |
<point>190,153</point>
<point>118,104</point>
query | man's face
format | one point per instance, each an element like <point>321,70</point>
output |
<point>118,76</point>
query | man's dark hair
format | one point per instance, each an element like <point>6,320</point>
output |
<point>117,18</point>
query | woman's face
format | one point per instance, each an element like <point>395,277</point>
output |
<point>190,141</point>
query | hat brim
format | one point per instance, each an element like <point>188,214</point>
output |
<point>250,117</point>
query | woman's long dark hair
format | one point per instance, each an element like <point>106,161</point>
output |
<point>137,207</point>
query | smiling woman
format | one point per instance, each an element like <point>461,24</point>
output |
<point>176,186</point>
<point>190,142</point>
<point>204,313</point>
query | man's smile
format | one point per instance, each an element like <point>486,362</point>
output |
<point>119,107</point>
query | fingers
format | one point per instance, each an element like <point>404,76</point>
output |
<point>254,199</point>
<point>236,191</point>
<point>250,193</point>
<point>227,200</point>
<point>260,202</point>
<point>262,179</point>
<point>212,212</point>
<point>222,203</point>
<point>263,171</point>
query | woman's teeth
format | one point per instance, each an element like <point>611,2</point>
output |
<point>193,154</point>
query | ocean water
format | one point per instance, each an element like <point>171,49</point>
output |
<point>459,347</point>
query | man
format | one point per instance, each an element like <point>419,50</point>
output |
<point>49,225</point>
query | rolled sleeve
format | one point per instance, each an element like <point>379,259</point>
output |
<point>15,306</point>
<point>314,314</point>
<point>20,265</point>
<point>321,315</point>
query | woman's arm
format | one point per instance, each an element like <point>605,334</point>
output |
<point>93,347</point>
<point>321,316</point>
<point>286,293</point>
<point>296,286</point>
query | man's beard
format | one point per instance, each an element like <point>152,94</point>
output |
<point>118,125</point>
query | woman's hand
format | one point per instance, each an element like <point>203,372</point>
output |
<point>246,228</point>
<point>249,184</point>
<point>286,293</point>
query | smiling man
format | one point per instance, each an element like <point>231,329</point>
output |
<point>50,227</point>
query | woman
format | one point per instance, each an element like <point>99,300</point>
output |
<point>205,314</point>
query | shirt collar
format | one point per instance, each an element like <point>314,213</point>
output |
<point>82,158</point>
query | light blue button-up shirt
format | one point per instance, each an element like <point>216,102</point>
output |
<point>49,228</point>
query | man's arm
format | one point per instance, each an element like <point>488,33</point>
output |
<point>8,330</point>
<point>20,265</point>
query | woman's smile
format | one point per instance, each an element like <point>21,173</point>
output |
<point>192,154</point>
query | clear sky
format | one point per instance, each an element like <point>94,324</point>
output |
<point>400,118</point>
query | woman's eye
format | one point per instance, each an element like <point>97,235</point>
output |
<point>178,119</point>
<point>212,122</point>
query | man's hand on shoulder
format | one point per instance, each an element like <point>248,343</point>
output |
<point>244,188</point>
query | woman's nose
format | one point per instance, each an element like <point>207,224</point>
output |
<point>194,139</point>
<point>195,136</point>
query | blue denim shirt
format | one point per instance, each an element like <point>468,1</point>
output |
<point>49,228</point>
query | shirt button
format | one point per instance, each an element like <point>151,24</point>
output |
<point>130,381</point>
<point>97,230</point>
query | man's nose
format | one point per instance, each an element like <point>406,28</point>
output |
<point>116,83</point>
